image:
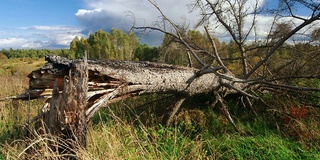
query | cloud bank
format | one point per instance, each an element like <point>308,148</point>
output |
<point>53,37</point>
<point>122,14</point>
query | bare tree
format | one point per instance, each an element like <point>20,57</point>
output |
<point>239,18</point>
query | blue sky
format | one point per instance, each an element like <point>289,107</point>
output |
<point>53,24</point>
<point>38,12</point>
<point>38,23</point>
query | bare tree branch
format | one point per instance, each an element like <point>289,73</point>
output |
<point>280,42</point>
<point>215,51</point>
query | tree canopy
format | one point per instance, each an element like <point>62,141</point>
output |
<point>103,45</point>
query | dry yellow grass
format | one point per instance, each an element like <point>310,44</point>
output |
<point>13,114</point>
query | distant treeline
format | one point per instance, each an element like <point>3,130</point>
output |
<point>125,46</point>
<point>99,45</point>
<point>114,45</point>
<point>30,53</point>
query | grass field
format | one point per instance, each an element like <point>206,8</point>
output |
<point>131,130</point>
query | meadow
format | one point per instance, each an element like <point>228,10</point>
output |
<point>131,129</point>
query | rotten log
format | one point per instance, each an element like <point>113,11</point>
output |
<point>111,81</point>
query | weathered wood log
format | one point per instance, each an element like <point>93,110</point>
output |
<point>111,81</point>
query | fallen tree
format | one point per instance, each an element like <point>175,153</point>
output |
<point>112,81</point>
<point>76,89</point>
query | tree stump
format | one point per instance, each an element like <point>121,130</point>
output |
<point>63,116</point>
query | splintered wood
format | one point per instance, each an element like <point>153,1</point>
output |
<point>63,115</point>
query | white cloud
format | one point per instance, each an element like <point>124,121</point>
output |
<point>63,39</point>
<point>54,28</point>
<point>19,43</point>
<point>33,44</point>
<point>53,37</point>
<point>84,12</point>
<point>264,25</point>
<point>142,9</point>
<point>6,42</point>
<point>58,35</point>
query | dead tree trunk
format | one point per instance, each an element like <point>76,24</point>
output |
<point>111,81</point>
<point>77,90</point>
<point>63,116</point>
